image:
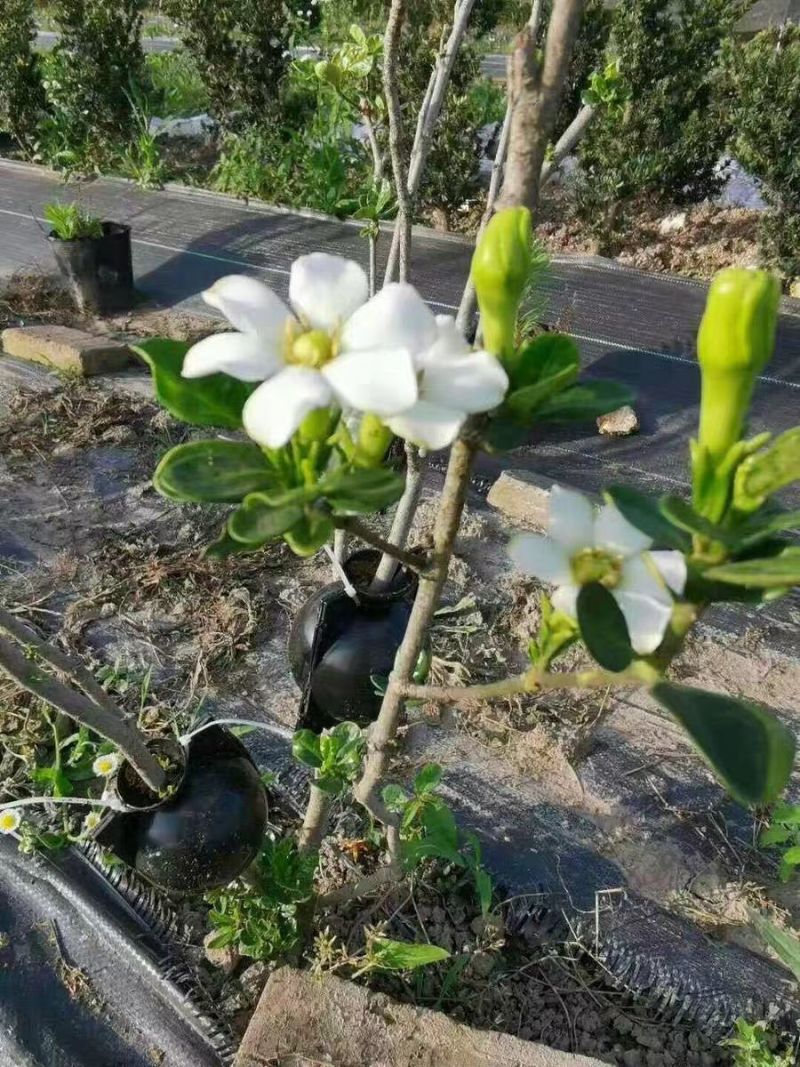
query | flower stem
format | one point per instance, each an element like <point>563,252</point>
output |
<point>369,537</point>
<point>403,516</point>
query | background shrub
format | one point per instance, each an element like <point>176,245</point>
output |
<point>89,78</point>
<point>242,48</point>
<point>21,92</point>
<point>762,78</point>
<point>673,130</point>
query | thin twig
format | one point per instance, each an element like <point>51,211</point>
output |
<point>567,142</point>
<point>409,559</point>
<point>403,516</point>
<point>391,49</point>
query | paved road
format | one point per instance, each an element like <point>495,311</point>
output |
<point>631,326</point>
<point>493,66</point>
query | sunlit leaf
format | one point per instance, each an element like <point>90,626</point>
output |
<point>212,471</point>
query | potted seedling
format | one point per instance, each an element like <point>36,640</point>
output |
<point>188,813</point>
<point>94,258</point>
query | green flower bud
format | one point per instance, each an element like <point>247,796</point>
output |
<point>373,440</point>
<point>735,342</point>
<point>316,426</point>
<point>501,267</point>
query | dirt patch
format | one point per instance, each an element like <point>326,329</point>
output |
<point>28,297</point>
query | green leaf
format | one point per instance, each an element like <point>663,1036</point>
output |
<point>791,856</point>
<point>394,797</point>
<point>403,955</point>
<point>683,515</point>
<point>504,434</point>
<point>645,514</point>
<point>216,400</point>
<point>789,814</point>
<point>428,779</point>
<point>585,401</point>
<point>748,749</point>
<point>224,546</point>
<point>306,749</point>
<point>257,520</point>
<point>309,534</point>
<point>603,627</point>
<point>363,491</point>
<point>483,885</point>
<point>786,945</point>
<point>546,366</point>
<point>773,573</point>
<point>775,835</point>
<point>767,471</point>
<point>221,472</point>
<point>330,783</point>
<point>759,528</point>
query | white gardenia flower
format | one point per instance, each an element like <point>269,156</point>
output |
<point>454,382</point>
<point>585,545</point>
<point>334,348</point>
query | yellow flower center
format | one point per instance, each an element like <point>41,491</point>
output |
<point>9,820</point>
<point>596,565</point>
<point>310,348</point>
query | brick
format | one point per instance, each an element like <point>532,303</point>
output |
<point>66,349</point>
<point>522,497</point>
<point>305,1019</point>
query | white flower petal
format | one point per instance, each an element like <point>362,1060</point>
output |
<point>641,577</point>
<point>430,426</point>
<point>672,567</point>
<point>250,306</point>
<point>325,290</point>
<point>275,410</point>
<point>471,383</point>
<point>396,317</point>
<point>540,556</point>
<point>647,620</point>
<point>380,381</point>
<point>449,342</point>
<point>565,599</point>
<point>613,531</point>
<point>242,355</point>
<point>571,519</point>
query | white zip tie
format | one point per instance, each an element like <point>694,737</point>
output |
<point>349,588</point>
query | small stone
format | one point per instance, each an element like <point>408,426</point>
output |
<point>66,349</point>
<point>254,979</point>
<point>108,610</point>
<point>118,435</point>
<point>672,223</point>
<point>225,958</point>
<point>523,497</point>
<point>620,423</point>
<point>482,964</point>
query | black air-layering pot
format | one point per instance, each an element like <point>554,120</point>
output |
<point>98,270</point>
<point>339,645</point>
<point>208,831</point>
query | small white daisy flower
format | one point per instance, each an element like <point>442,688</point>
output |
<point>586,546</point>
<point>92,821</point>
<point>105,765</point>
<point>9,821</point>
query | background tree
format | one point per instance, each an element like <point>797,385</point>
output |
<point>21,91</point>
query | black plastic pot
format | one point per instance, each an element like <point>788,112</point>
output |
<point>98,270</point>
<point>338,645</point>
<point>207,833</point>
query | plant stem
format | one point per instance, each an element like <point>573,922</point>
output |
<point>114,728</point>
<point>384,731</point>
<point>311,833</point>
<point>369,537</point>
<point>403,516</point>
<point>566,142</point>
<point>533,681</point>
<point>391,48</point>
<point>86,802</point>
<point>536,90</point>
<point>426,123</point>
<point>373,261</point>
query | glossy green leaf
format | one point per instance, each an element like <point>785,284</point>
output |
<point>306,748</point>
<point>767,471</point>
<point>775,572</point>
<point>224,546</point>
<point>748,749</point>
<point>257,521</point>
<point>603,627</point>
<point>363,491</point>
<point>428,779</point>
<point>775,835</point>
<point>391,955</point>
<point>585,401</point>
<point>309,534</point>
<point>216,400</point>
<point>222,472</point>
<point>547,355</point>
<point>645,514</point>
<point>788,814</point>
<point>683,515</point>
<point>773,522</point>
<point>394,797</point>
<point>783,943</point>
